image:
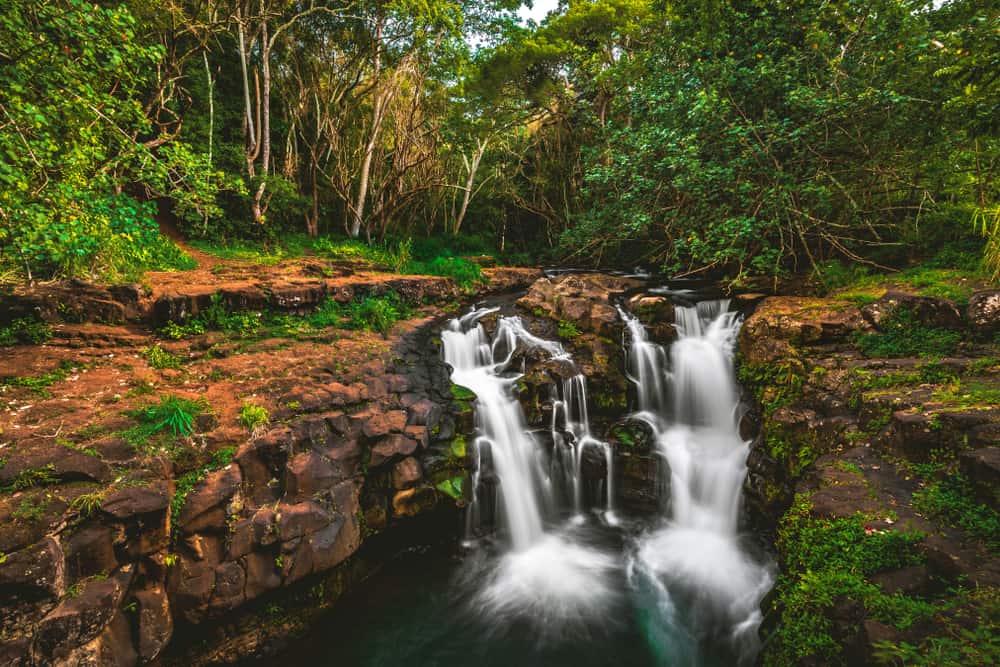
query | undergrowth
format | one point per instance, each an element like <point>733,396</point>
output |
<point>904,335</point>
<point>826,560</point>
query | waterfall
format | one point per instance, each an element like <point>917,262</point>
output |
<point>548,575</point>
<point>693,407</point>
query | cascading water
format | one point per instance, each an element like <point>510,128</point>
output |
<point>549,574</point>
<point>696,562</point>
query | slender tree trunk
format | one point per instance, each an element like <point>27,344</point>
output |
<point>366,164</point>
<point>251,151</point>
<point>265,120</point>
<point>473,167</point>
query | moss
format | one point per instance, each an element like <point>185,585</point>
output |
<point>31,477</point>
<point>460,393</point>
<point>774,385</point>
<point>826,560</point>
<point>903,334</point>
<point>25,330</point>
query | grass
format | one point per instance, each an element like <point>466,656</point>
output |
<point>32,477</point>
<point>954,277</point>
<point>172,414</point>
<point>826,560</point>
<point>904,335</point>
<point>952,501</point>
<point>30,510</point>
<point>39,384</point>
<point>25,330</point>
<point>968,394</point>
<point>159,358</point>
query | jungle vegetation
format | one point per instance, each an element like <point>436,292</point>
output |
<point>734,138</point>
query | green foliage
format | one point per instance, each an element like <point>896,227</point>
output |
<point>173,413</point>
<point>452,487</point>
<point>25,330</point>
<point>460,393</point>
<point>904,335</point>
<point>376,313</point>
<point>826,560</point>
<point>159,358</point>
<point>253,416</point>
<point>774,385</point>
<point>968,394</point>
<point>87,504</point>
<point>30,510</point>
<point>567,330</point>
<point>952,500</point>
<point>215,317</point>
<point>39,384</point>
<point>31,477</point>
<point>973,638</point>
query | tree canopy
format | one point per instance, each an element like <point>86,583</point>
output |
<point>732,139</point>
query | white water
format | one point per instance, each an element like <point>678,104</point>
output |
<point>548,574</point>
<point>693,407</point>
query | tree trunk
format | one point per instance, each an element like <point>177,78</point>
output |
<point>366,164</point>
<point>477,157</point>
<point>265,120</point>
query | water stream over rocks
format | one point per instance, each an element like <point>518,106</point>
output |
<point>552,573</point>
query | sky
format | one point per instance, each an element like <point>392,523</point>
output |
<point>540,9</point>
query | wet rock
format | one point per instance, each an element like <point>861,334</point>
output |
<point>189,584</point>
<point>913,580</point>
<point>984,312</point>
<point>651,309</point>
<point>781,322</point>
<point>424,413</point>
<point>262,574</point>
<point>230,581</point>
<point>410,502</point>
<point>406,473</point>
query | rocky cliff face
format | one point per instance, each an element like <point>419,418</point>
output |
<point>116,540</point>
<point>877,461</point>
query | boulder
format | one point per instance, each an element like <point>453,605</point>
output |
<point>38,570</point>
<point>929,311</point>
<point>155,624</point>
<point>80,618</point>
<point>410,502</point>
<point>406,473</point>
<point>130,501</point>
<point>204,505</point>
<point>983,312</point>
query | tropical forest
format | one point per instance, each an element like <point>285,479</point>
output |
<point>554,333</point>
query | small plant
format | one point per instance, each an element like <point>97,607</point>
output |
<point>40,384</point>
<point>253,416</point>
<point>376,313</point>
<point>952,501</point>
<point>172,413</point>
<point>25,330</point>
<point>29,510</point>
<point>567,330</point>
<point>87,504</point>
<point>159,358</point>
<point>32,477</point>
<point>170,560</point>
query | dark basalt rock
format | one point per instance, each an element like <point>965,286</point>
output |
<point>983,312</point>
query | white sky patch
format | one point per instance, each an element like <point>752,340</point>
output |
<point>539,11</point>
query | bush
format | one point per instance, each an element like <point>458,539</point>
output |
<point>172,413</point>
<point>253,416</point>
<point>159,358</point>
<point>376,313</point>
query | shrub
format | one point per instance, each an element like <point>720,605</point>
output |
<point>159,358</point>
<point>376,313</point>
<point>253,416</point>
<point>172,413</point>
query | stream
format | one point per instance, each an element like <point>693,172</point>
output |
<point>549,572</point>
